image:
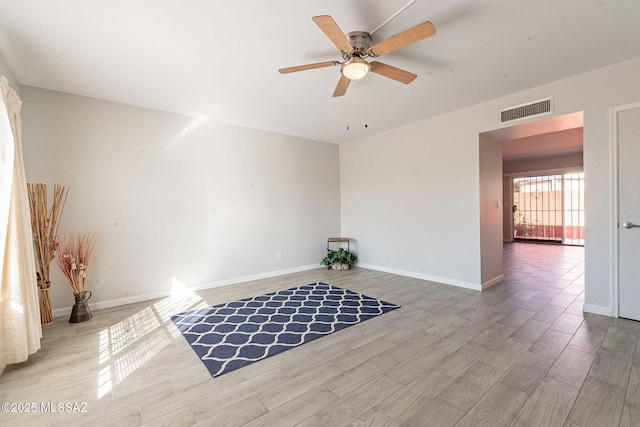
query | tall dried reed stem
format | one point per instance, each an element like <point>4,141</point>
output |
<point>44,224</point>
<point>75,252</point>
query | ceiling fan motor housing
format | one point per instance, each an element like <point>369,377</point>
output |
<point>361,42</point>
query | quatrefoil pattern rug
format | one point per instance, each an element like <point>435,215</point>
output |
<point>229,336</point>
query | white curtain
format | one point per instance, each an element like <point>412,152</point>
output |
<point>20,329</point>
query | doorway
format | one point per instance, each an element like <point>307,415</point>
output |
<point>542,147</point>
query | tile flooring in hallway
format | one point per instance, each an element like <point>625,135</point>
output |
<point>521,353</point>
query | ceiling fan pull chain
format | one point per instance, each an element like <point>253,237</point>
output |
<point>366,119</point>
<point>347,110</point>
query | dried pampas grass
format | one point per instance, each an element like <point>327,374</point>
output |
<point>76,251</point>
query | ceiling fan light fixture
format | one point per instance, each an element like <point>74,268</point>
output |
<point>355,69</point>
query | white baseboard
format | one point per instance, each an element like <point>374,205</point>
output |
<point>492,282</point>
<point>146,297</point>
<point>444,280</point>
<point>598,309</point>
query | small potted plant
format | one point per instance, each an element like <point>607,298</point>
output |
<point>339,259</point>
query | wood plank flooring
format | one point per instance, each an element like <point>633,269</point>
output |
<point>521,353</point>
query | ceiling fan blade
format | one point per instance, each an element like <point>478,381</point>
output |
<point>405,38</point>
<point>335,34</point>
<point>343,84</point>
<point>394,73</point>
<point>307,67</point>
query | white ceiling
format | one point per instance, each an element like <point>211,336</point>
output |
<point>558,143</point>
<point>219,59</point>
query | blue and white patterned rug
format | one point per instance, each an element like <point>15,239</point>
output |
<point>229,336</point>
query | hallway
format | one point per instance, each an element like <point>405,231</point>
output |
<point>549,269</point>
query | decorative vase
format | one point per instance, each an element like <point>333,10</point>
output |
<point>80,311</point>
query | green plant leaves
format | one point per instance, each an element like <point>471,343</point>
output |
<point>339,256</point>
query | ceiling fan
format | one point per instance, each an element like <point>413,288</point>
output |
<point>357,46</point>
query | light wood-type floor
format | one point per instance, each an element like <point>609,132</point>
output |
<point>519,354</point>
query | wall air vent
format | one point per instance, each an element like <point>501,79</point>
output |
<point>524,111</point>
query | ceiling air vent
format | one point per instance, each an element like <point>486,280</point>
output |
<point>524,111</point>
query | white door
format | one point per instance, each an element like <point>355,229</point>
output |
<point>629,212</point>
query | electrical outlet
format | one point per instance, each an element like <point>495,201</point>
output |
<point>431,258</point>
<point>279,256</point>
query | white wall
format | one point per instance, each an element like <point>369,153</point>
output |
<point>414,190</point>
<point>6,71</point>
<point>175,197</point>
<point>491,211</point>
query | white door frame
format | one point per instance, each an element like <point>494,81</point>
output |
<point>615,211</point>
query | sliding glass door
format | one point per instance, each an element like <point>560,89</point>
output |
<point>549,208</point>
<point>573,209</point>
